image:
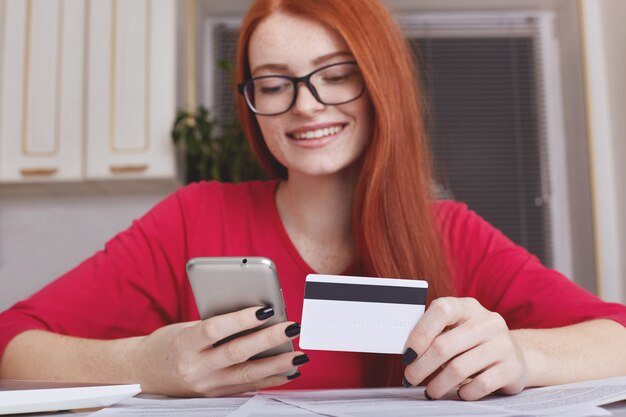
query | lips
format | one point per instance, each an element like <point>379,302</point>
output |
<point>316,132</point>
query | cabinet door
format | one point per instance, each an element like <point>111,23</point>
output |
<point>41,89</point>
<point>131,89</point>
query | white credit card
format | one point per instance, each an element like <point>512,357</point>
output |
<point>360,314</point>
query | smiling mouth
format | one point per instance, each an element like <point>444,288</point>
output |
<point>317,133</point>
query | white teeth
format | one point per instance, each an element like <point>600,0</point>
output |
<point>319,133</point>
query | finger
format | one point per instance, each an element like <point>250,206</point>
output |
<point>486,383</point>
<point>254,370</point>
<point>459,369</point>
<point>244,347</point>
<point>444,348</point>
<point>207,332</point>
<point>442,313</point>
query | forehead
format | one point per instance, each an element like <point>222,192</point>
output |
<point>292,41</point>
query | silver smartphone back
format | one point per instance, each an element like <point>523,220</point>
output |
<point>226,284</point>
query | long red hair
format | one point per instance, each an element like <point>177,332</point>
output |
<point>393,220</point>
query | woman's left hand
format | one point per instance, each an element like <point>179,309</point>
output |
<point>460,343</point>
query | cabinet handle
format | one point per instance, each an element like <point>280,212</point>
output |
<point>128,169</point>
<point>38,172</point>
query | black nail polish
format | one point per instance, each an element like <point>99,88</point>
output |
<point>409,356</point>
<point>264,313</point>
<point>294,375</point>
<point>406,383</point>
<point>293,330</point>
<point>300,360</point>
<point>428,397</point>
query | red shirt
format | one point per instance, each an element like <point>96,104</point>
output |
<point>138,282</point>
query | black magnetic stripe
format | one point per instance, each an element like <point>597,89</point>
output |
<point>367,293</point>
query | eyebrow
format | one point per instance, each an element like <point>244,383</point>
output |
<point>316,61</point>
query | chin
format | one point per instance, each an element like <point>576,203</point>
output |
<point>330,163</point>
<point>321,170</point>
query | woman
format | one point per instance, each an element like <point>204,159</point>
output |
<point>329,103</point>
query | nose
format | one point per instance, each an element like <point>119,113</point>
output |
<point>306,103</point>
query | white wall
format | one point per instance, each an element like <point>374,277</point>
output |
<point>578,170</point>
<point>47,229</point>
<point>604,37</point>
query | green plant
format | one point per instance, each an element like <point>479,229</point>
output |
<point>212,149</point>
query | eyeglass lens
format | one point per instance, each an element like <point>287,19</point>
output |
<point>334,84</point>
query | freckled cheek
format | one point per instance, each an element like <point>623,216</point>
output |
<point>272,134</point>
<point>277,146</point>
<point>274,147</point>
<point>363,136</point>
<point>268,126</point>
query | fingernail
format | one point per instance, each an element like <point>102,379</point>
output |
<point>293,330</point>
<point>406,383</point>
<point>409,356</point>
<point>458,394</point>
<point>428,397</point>
<point>265,313</point>
<point>294,375</point>
<point>300,360</point>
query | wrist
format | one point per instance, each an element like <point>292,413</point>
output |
<point>128,354</point>
<point>533,357</point>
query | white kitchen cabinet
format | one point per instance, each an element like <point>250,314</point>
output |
<point>87,89</point>
<point>130,88</point>
<point>41,85</point>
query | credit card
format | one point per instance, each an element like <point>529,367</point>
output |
<point>360,314</point>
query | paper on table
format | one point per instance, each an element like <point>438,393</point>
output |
<point>263,406</point>
<point>169,407</point>
<point>572,399</point>
<point>259,405</point>
<point>560,399</point>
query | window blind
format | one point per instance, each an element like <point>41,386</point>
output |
<point>486,123</point>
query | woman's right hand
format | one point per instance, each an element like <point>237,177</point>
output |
<point>181,359</point>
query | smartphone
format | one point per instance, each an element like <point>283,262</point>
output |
<point>223,285</point>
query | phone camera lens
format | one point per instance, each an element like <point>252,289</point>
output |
<point>244,261</point>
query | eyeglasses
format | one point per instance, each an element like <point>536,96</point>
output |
<point>333,84</point>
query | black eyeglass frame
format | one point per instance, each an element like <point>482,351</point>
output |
<point>306,79</point>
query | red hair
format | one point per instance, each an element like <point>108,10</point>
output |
<point>394,219</point>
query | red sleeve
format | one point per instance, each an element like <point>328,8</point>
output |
<point>507,279</point>
<point>129,288</point>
